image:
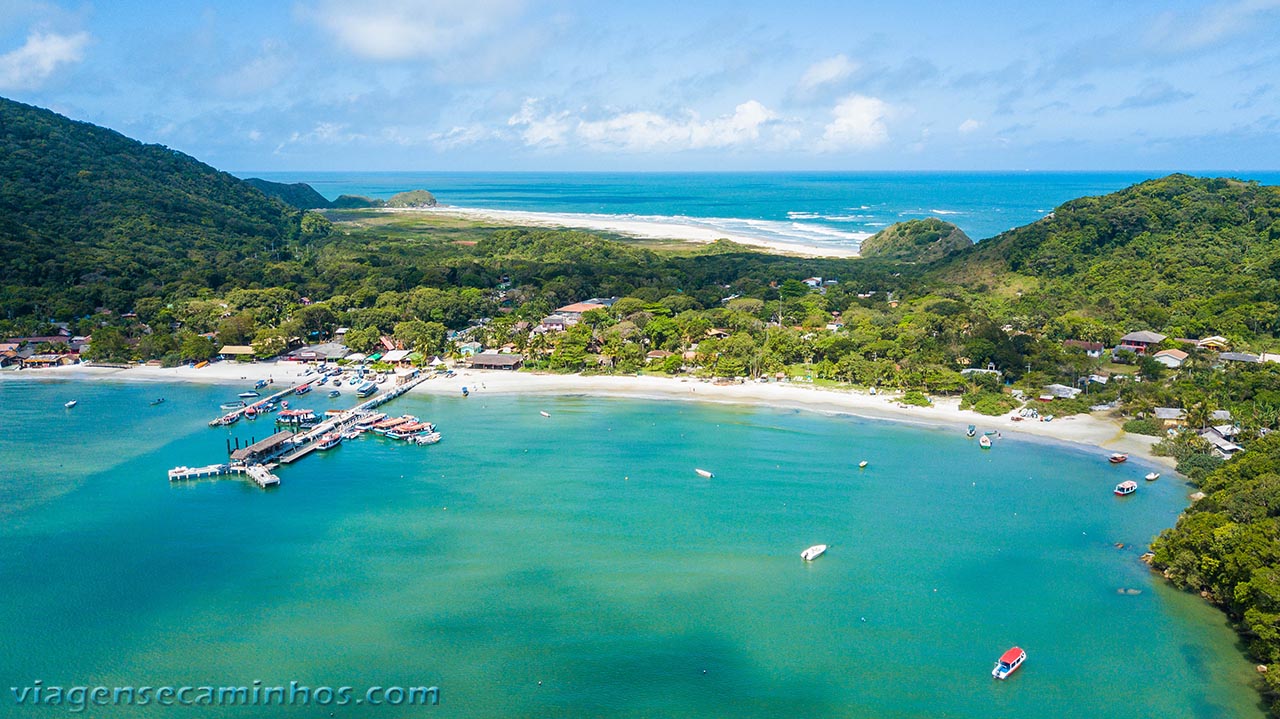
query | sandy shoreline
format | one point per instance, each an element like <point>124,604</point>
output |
<point>1086,430</point>
<point>635,226</point>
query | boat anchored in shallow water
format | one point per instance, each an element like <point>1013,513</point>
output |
<point>1009,663</point>
<point>972,430</point>
<point>984,442</point>
<point>1126,487</point>
<point>863,464</point>
<point>813,552</point>
<point>71,404</point>
<point>545,414</point>
<point>1152,476</point>
<point>1117,458</point>
<point>704,473</point>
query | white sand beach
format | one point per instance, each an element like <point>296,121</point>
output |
<point>1089,430</point>
<point>662,228</point>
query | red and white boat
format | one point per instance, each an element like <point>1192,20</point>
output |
<point>1009,663</point>
<point>1126,487</point>
<point>1117,458</point>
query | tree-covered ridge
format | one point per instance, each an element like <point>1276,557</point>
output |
<point>296,194</point>
<point>1193,256</point>
<point>927,240</point>
<point>90,218</point>
<point>1227,545</point>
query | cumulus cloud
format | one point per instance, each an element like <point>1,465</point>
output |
<point>968,126</point>
<point>29,66</point>
<point>858,123</point>
<point>826,72</point>
<point>408,29</point>
<point>644,131</point>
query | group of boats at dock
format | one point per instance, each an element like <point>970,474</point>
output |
<point>405,427</point>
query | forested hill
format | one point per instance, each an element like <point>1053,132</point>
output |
<point>1193,256</point>
<point>90,218</point>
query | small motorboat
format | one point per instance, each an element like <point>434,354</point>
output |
<point>429,438</point>
<point>1126,487</point>
<point>971,431</point>
<point>334,393</point>
<point>1152,476</point>
<point>157,400</point>
<point>71,404</point>
<point>261,383</point>
<point>1009,663</point>
<point>330,440</point>
<point>1117,458</point>
<point>232,405</point>
<point>704,473</point>
<point>984,442</point>
<point>813,552</point>
<point>863,464</point>
<point>545,414</point>
<point>248,395</point>
<point>465,392</point>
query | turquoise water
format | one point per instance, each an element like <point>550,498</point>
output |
<point>824,208</point>
<point>582,552</point>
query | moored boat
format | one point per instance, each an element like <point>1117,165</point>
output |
<point>260,384</point>
<point>863,464</point>
<point>1152,476</point>
<point>330,440</point>
<point>157,400</point>
<point>1126,487</point>
<point>1117,458</point>
<point>366,389</point>
<point>334,393</point>
<point>428,438</point>
<point>704,473</point>
<point>248,395</point>
<point>984,442</point>
<point>972,430</point>
<point>1009,662</point>
<point>232,405</point>
<point>302,389</point>
<point>545,414</point>
<point>71,403</point>
<point>813,552</point>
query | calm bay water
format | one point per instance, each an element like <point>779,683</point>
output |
<point>823,208</point>
<point>582,552</point>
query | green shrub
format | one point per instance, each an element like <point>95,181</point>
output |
<point>916,398</point>
<point>991,404</point>
<point>1149,427</point>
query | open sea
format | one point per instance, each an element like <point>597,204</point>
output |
<point>832,209</point>
<point>576,566</point>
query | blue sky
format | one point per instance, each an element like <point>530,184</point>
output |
<point>691,85</point>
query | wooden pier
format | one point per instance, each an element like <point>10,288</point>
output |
<point>221,420</point>
<point>255,460</point>
<point>260,475</point>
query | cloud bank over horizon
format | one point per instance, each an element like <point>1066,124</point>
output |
<point>566,84</point>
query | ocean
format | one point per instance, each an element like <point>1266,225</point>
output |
<point>835,210</point>
<point>576,566</point>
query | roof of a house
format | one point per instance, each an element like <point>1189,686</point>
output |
<point>1214,340</point>
<point>1176,354</point>
<point>1091,346</point>
<point>1239,357</point>
<point>236,350</point>
<point>1170,413</point>
<point>580,307</point>
<point>396,356</point>
<point>1145,336</point>
<point>1219,441</point>
<point>493,359</point>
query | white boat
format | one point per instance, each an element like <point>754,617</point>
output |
<point>71,404</point>
<point>984,442</point>
<point>330,440</point>
<point>429,438</point>
<point>813,552</point>
<point>249,395</point>
<point>863,464</point>
<point>1126,487</point>
<point>704,473</point>
<point>1153,476</point>
<point>545,414</point>
<point>1009,663</point>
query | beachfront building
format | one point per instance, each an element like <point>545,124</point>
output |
<point>466,349</point>
<point>398,358</point>
<point>494,360</point>
<point>264,450</point>
<point>1142,341</point>
<point>326,352</point>
<point>1171,416</point>
<point>236,352</point>
<point>1222,446</point>
<point>1172,359</point>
